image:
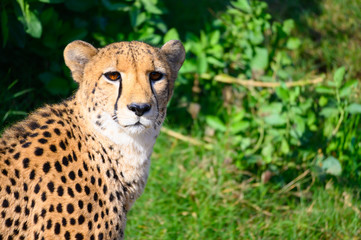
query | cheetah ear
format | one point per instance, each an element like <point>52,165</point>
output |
<point>76,55</point>
<point>175,53</point>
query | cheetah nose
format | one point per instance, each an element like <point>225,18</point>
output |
<point>139,108</point>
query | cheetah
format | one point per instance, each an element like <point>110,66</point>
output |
<point>73,170</point>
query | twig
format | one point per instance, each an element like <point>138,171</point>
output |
<point>254,206</point>
<point>291,184</point>
<point>253,83</point>
<point>190,140</point>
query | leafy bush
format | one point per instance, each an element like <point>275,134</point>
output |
<point>239,89</point>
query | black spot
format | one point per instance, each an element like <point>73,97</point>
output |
<point>72,175</point>
<point>59,208</point>
<point>43,196</point>
<point>51,186</point>
<point>9,222</point>
<point>26,162</point>
<point>68,134</point>
<point>37,188</point>
<point>26,145</point>
<point>62,145</point>
<point>63,179</point>
<point>16,156</point>
<point>79,146</point>
<point>65,161</point>
<point>46,167</point>
<point>18,209</point>
<point>90,225</point>
<point>75,157</point>
<point>105,189</point>
<point>50,121</point>
<point>34,135</point>
<point>51,208</point>
<point>100,236</point>
<point>70,208</point>
<point>58,166</point>
<point>45,114</point>
<point>78,188</point>
<point>33,125</point>
<point>35,218</point>
<point>60,191</point>
<point>47,134</point>
<point>85,166</point>
<point>38,151</point>
<point>52,148</point>
<point>5,203</point>
<point>42,140</point>
<point>32,174</point>
<point>25,226</point>
<point>80,204</point>
<point>57,131</point>
<point>44,127</point>
<point>16,195</point>
<point>70,192</point>
<point>72,221</point>
<point>87,190</point>
<point>57,228</point>
<point>61,123</point>
<point>79,236</point>
<point>13,182</point>
<point>67,235</point>
<point>111,197</point>
<point>49,224</point>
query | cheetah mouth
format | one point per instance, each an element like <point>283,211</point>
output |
<point>137,124</point>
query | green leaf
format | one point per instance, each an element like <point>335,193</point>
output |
<point>239,126</point>
<point>4,26</point>
<point>348,87</point>
<point>338,76</point>
<point>288,25</point>
<point>151,7</point>
<point>323,101</point>
<point>293,43</point>
<point>354,108</point>
<point>29,20</point>
<point>215,123</point>
<point>332,166</point>
<point>214,37</point>
<point>283,93</point>
<point>172,34</point>
<point>260,60</point>
<point>276,119</point>
<point>329,112</point>
<point>242,5</point>
<point>325,90</point>
<point>202,63</point>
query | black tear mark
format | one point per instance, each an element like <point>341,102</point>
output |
<point>119,94</point>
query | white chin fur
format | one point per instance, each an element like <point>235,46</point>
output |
<point>139,137</point>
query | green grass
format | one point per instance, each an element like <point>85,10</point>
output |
<point>195,194</point>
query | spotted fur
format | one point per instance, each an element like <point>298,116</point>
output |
<point>74,169</point>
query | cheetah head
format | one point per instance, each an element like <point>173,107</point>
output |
<point>125,86</point>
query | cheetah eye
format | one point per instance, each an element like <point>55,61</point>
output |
<point>113,76</point>
<point>155,76</point>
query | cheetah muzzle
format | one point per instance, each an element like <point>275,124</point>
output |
<point>73,170</point>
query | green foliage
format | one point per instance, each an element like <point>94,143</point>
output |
<point>259,128</point>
